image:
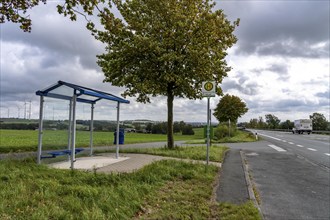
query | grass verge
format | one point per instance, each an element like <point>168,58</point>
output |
<point>246,211</point>
<point>216,153</point>
<point>166,189</point>
<point>29,191</point>
<point>240,136</point>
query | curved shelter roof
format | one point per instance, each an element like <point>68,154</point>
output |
<point>65,90</point>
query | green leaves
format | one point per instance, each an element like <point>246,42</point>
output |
<point>15,10</point>
<point>230,107</point>
<point>165,43</point>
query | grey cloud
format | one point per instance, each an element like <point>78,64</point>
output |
<point>49,62</point>
<point>281,69</point>
<point>325,94</point>
<point>61,39</point>
<point>292,49</point>
<point>243,78</point>
<point>285,28</point>
<point>244,85</point>
<point>286,105</point>
<point>278,68</point>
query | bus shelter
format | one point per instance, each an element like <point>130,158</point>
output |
<point>73,94</point>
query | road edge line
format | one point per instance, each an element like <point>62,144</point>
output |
<point>249,183</point>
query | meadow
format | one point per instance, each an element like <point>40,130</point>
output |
<point>27,140</point>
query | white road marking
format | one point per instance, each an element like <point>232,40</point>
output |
<point>298,145</point>
<point>270,137</point>
<point>277,148</point>
<point>312,149</point>
<point>290,143</point>
<point>284,141</point>
<point>327,154</point>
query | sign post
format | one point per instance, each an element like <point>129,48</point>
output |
<point>208,90</point>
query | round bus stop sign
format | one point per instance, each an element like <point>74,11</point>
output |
<point>208,88</point>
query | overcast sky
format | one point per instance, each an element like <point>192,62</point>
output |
<point>280,64</point>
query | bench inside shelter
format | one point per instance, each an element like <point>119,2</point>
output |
<point>54,154</point>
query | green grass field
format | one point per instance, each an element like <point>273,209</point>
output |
<point>27,140</point>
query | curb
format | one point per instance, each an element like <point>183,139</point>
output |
<point>249,183</point>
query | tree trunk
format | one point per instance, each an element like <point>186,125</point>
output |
<point>170,139</point>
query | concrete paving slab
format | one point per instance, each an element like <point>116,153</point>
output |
<point>89,163</point>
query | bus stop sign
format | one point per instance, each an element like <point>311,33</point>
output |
<point>208,88</point>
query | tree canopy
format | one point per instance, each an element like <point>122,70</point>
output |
<point>319,121</point>
<point>165,47</point>
<point>16,11</point>
<point>230,107</point>
<point>272,121</point>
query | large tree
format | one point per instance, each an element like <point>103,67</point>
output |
<point>230,107</point>
<point>319,121</point>
<point>165,47</point>
<point>286,124</point>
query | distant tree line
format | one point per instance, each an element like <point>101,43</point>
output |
<point>272,122</point>
<point>19,126</point>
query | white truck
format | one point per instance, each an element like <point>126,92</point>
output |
<point>302,125</point>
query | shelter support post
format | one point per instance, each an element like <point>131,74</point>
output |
<point>40,129</point>
<point>117,134</point>
<point>70,128</point>
<point>73,130</point>
<point>91,129</point>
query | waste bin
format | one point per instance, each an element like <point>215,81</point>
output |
<point>121,136</point>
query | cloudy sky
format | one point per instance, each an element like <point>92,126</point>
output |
<point>280,64</point>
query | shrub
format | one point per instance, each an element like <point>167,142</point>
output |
<point>187,130</point>
<point>222,131</point>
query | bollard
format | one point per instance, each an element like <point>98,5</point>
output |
<point>256,136</point>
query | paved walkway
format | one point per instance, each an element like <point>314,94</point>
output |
<point>107,163</point>
<point>233,187</point>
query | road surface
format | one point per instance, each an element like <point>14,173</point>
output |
<point>291,174</point>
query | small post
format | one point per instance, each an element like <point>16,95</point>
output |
<point>229,127</point>
<point>256,136</point>
<point>40,128</point>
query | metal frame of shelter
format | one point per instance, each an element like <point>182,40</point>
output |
<point>75,93</point>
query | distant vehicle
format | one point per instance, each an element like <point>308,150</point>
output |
<point>302,125</point>
<point>129,130</point>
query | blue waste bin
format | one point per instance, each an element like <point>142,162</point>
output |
<point>121,136</point>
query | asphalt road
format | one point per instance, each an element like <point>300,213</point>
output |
<point>313,147</point>
<point>291,174</point>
